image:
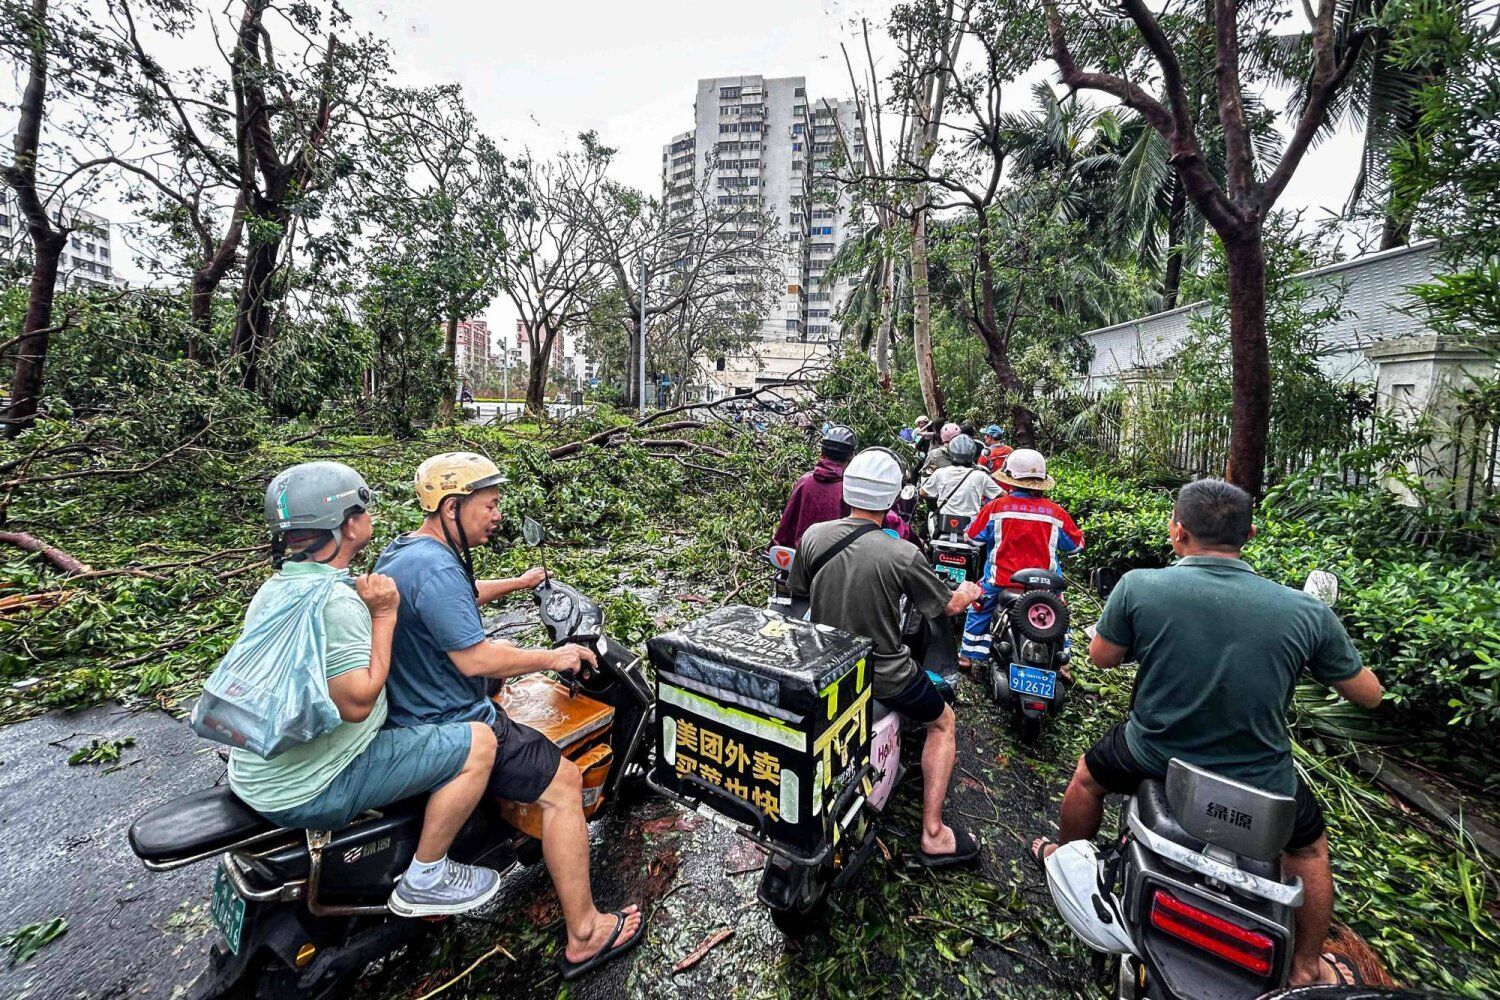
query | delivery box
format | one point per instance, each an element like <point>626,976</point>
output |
<point>763,718</point>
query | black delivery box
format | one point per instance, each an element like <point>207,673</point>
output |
<point>763,718</point>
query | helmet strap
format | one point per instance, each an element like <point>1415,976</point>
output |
<point>461,546</point>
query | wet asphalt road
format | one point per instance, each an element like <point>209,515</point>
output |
<point>63,852</point>
<point>132,933</point>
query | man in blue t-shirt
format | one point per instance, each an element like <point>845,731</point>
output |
<point>444,669</point>
<point>1220,651</point>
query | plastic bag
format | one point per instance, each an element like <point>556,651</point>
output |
<point>270,691</point>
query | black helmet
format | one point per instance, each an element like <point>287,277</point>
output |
<point>839,442</point>
<point>963,449</point>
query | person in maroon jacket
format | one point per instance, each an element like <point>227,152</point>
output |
<point>819,494</point>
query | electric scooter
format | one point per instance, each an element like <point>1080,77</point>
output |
<point>301,913</point>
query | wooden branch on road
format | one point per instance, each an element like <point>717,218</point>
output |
<point>56,556</point>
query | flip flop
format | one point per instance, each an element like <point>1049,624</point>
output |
<point>610,951</point>
<point>1345,972</point>
<point>965,850</point>
<point>1037,849</point>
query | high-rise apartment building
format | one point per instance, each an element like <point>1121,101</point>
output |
<point>471,351</point>
<point>763,145</point>
<point>88,259</point>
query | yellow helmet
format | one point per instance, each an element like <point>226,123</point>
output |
<point>453,473</point>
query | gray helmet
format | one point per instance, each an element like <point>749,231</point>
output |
<point>839,442</point>
<point>314,496</point>
<point>963,449</point>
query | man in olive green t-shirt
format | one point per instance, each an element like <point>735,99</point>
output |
<point>1221,650</point>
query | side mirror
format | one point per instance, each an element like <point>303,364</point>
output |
<point>532,532</point>
<point>908,491</point>
<point>1103,580</point>
<point>1323,585</point>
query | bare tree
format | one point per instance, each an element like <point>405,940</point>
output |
<point>548,271</point>
<point>1237,208</point>
<point>719,250</point>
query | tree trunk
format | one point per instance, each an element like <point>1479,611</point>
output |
<point>206,282</point>
<point>31,351</point>
<point>1246,262</point>
<point>536,379</point>
<point>450,353</point>
<point>1172,278</point>
<point>887,312</point>
<point>1394,232</point>
<point>932,395</point>
<point>252,321</point>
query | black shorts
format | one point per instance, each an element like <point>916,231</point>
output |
<point>525,761</point>
<point>1116,770</point>
<point>920,701</point>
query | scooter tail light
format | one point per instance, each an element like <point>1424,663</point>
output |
<point>1250,950</point>
<point>1034,706</point>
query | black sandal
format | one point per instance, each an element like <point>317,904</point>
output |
<point>965,850</point>
<point>1037,851</point>
<point>1345,972</point>
<point>611,950</point>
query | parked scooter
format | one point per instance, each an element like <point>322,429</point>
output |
<point>302,912</point>
<point>1029,650</point>
<point>1191,897</point>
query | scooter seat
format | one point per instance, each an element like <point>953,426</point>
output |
<point>202,823</point>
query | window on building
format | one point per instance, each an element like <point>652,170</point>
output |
<point>800,92</point>
<point>799,109</point>
<point>797,129</point>
<point>727,92</point>
<point>796,147</point>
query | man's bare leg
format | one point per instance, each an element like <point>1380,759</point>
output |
<point>1082,811</point>
<point>450,805</point>
<point>565,846</point>
<point>1314,916</point>
<point>938,753</point>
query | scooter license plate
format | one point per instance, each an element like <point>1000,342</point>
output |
<point>227,910</point>
<point>1033,681</point>
<point>956,574</point>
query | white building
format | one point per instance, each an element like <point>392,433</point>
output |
<point>88,259</point>
<point>761,143</point>
<point>1376,307</point>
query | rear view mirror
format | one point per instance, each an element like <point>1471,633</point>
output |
<point>532,532</point>
<point>1323,585</point>
<point>1103,580</point>
<point>908,491</point>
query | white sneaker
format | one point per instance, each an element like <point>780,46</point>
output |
<point>462,888</point>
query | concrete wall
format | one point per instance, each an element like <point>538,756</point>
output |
<point>1374,297</point>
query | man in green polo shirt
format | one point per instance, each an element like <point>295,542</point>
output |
<point>1220,650</point>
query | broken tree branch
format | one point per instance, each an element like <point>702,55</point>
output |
<point>56,556</point>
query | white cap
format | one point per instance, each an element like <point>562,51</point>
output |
<point>872,480</point>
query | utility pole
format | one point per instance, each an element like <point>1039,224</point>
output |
<point>642,334</point>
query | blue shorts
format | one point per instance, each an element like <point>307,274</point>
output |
<point>920,701</point>
<point>398,764</point>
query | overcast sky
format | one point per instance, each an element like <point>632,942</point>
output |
<point>536,74</point>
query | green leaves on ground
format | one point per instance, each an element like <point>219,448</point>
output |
<point>25,942</point>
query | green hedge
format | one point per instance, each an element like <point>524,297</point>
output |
<point>1419,594</point>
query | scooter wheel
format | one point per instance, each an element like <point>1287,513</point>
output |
<point>1031,729</point>
<point>796,924</point>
